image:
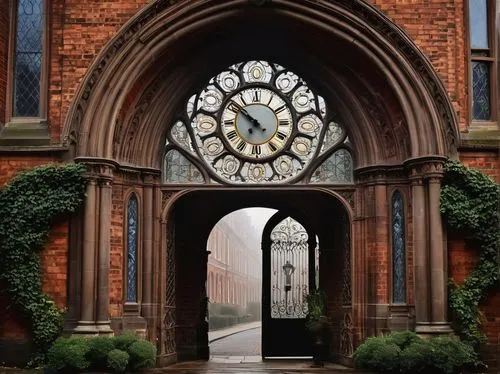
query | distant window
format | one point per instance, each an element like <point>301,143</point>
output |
<point>483,59</point>
<point>28,58</point>
<point>132,249</point>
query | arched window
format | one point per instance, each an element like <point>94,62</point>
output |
<point>132,225</point>
<point>398,250</point>
<point>28,58</point>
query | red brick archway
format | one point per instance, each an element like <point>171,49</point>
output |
<point>398,117</point>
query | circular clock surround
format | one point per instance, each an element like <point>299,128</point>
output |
<point>256,122</point>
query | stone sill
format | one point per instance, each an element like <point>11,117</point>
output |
<point>24,132</point>
<point>480,139</point>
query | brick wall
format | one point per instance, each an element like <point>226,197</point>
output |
<point>487,162</point>
<point>437,28</point>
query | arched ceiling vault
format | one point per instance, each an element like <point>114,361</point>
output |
<point>375,81</point>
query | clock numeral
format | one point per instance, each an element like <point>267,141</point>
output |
<point>284,122</point>
<point>231,135</point>
<point>233,107</point>
<point>256,96</point>
<point>242,98</point>
<point>241,145</point>
<point>273,147</point>
<point>229,122</point>
<point>280,109</point>
<point>281,135</point>
<point>256,150</point>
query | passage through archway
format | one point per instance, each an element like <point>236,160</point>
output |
<point>189,252</point>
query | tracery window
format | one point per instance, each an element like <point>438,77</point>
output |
<point>398,250</point>
<point>483,60</point>
<point>28,58</point>
<point>132,251</point>
<point>257,122</point>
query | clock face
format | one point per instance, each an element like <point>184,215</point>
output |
<point>257,123</point>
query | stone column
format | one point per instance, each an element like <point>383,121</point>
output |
<point>438,261</point>
<point>87,313</point>
<point>421,254</point>
<point>147,251</point>
<point>102,320</point>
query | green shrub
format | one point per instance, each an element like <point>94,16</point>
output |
<point>125,340</point>
<point>142,355</point>
<point>220,321</point>
<point>407,353</point>
<point>117,360</point>
<point>378,354</point>
<point>403,339</point>
<point>231,310</point>
<point>68,355</point>
<point>99,347</point>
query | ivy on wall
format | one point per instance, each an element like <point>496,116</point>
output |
<point>470,202</point>
<point>29,203</point>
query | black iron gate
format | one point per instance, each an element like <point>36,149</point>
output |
<point>290,258</point>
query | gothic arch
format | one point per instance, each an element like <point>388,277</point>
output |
<point>396,111</point>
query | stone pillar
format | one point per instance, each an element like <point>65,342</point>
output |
<point>438,260</point>
<point>102,321</point>
<point>421,254</point>
<point>147,251</point>
<point>87,312</point>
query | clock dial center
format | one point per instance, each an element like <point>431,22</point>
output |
<point>256,123</point>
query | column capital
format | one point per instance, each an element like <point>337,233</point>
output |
<point>425,167</point>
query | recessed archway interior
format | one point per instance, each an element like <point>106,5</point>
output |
<point>321,214</point>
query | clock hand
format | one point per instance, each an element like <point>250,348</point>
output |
<point>254,121</point>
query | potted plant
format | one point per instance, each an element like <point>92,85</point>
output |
<point>318,326</point>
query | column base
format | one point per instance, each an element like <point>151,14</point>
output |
<point>428,329</point>
<point>91,328</point>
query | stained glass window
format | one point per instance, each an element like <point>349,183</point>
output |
<point>335,169</point>
<point>28,58</point>
<point>478,24</point>
<point>178,169</point>
<point>132,249</point>
<point>480,90</point>
<point>398,250</point>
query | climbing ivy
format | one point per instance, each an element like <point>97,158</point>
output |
<point>28,205</point>
<point>470,203</point>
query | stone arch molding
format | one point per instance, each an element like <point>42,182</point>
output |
<point>145,74</point>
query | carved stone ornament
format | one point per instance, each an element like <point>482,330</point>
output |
<point>165,197</point>
<point>349,197</point>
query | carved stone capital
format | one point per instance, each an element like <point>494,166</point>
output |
<point>373,175</point>
<point>425,167</point>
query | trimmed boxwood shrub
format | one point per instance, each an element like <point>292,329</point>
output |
<point>408,353</point>
<point>123,341</point>
<point>142,355</point>
<point>77,354</point>
<point>69,355</point>
<point>117,360</point>
<point>99,347</point>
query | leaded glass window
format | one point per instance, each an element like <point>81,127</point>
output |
<point>178,169</point>
<point>478,24</point>
<point>398,250</point>
<point>483,58</point>
<point>480,90</point>
<point>28,58</point>
<point>255,122</point>
<point>337,168</point>
<point>132,224</point>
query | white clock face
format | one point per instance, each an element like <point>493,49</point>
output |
<point>257,123</point>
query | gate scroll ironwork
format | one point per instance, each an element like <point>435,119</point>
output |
<point>289,270</point>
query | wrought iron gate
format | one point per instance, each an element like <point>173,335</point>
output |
<point>289,262</point>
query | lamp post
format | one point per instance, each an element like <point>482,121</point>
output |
<point>288,269</point>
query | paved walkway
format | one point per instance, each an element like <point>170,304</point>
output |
<point>219,334</point>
